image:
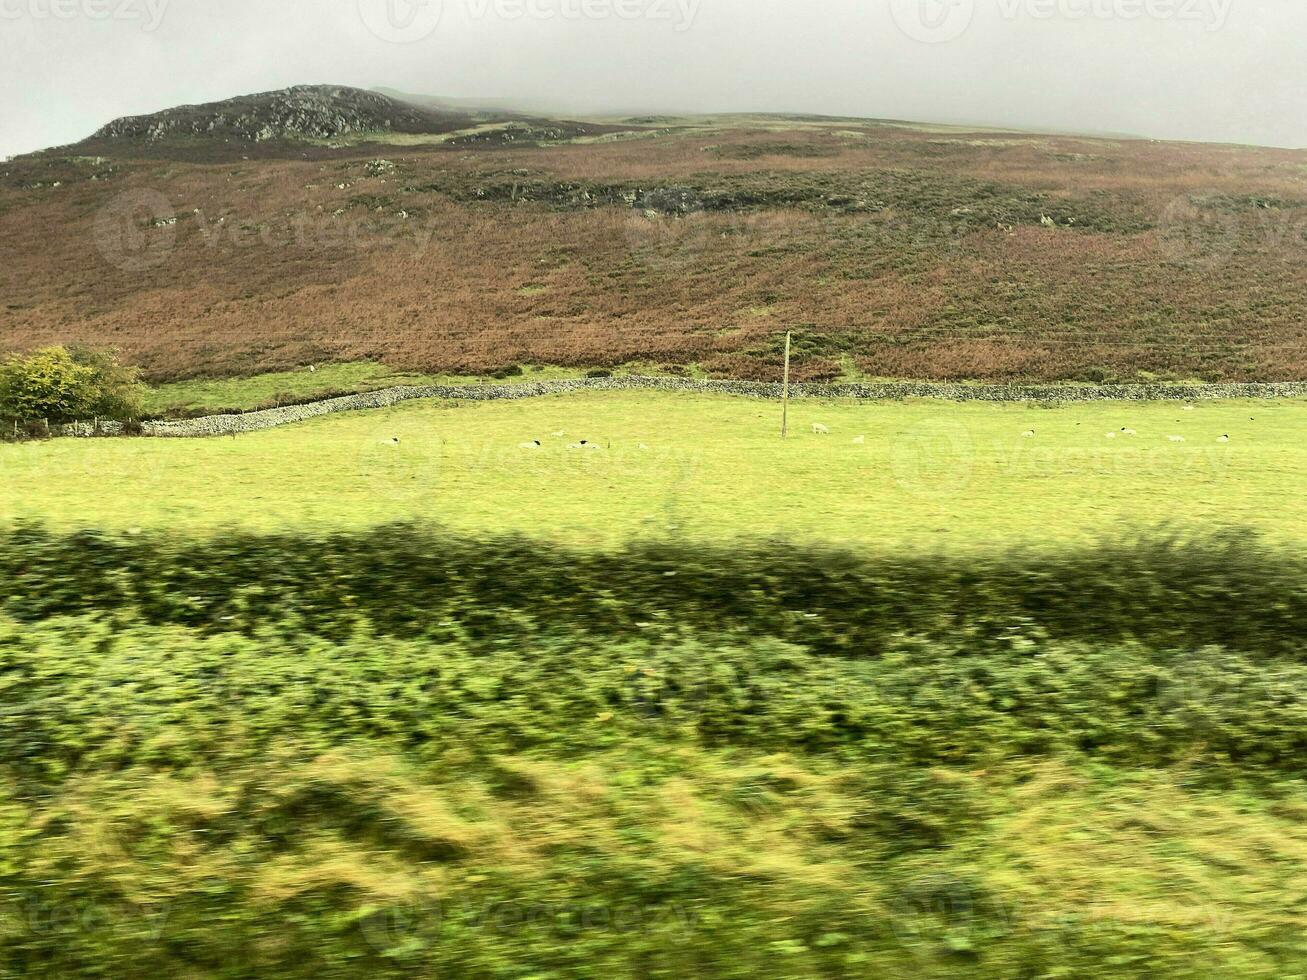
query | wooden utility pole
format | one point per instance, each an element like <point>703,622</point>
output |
<point>785,391</point>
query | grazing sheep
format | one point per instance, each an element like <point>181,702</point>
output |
<point>313,369</point>
<point>533,444</point>
<point>1223,439</point>
<point>1111,435</point>
<point>643,448</point>
<point>1129,432</point>
<point>1188,408</point>
<point>1028,434</point>
<point>393,442</point>
<point>560,434</point>
<point>584,444</point>
<point>820,430</point>
<point>1175,438</point>
<point>860,440</point>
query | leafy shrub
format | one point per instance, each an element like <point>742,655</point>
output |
<point>59,385</point>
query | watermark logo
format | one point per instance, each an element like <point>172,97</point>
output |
<point>1194,235</point>
<point>1207,231</point>
<point>401,21</point>
<point>934,461</point>
<point>679,13</point>
<point>680,241</point>
<point>396,927</point>
<point>933,21</point>
<point>140,230</point>
<point>47,919</point>
<point>1211,14</point>
<point>136,231</point>
<point>399,464</point>
<point>391,929</point>
<point>941,21</point>
<point>409,21</point>
<point>326,231</point>
<point>931,911</point>
<point>148,13</point>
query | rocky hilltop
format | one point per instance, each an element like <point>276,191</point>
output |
<point>302,112</point>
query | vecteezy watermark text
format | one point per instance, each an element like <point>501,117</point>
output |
<point>317,231</point>
<point>140,230</point>
<point>409,21</point>
<point>148,12</point>
<point>939,21</point>
<point>680,13</point>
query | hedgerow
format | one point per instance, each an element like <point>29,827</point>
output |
<point>1228,589</point>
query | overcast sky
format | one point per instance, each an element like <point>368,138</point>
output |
<point>1231,70</point>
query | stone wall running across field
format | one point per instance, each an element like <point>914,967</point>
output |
<point>219,425</point>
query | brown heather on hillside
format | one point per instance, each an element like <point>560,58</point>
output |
<point>893,251</point>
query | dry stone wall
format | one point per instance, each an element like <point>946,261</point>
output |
<point>219,425</point>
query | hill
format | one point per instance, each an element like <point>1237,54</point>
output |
<point>302,112</point>
<point>330,224</point>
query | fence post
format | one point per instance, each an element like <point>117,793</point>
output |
<point>785,391</point>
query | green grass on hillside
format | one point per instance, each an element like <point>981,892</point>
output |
<point>930,474</point>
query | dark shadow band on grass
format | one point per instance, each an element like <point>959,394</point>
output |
<point>1167,589</point>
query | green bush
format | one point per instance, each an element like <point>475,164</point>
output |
<point>60,385</point>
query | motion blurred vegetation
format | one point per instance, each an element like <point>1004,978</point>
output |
<point>401,753</point>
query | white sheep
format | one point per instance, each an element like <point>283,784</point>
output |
<point>1223,439</point>
<point>1111,435</point>
<point>859,440</point>
<point>1028,434</point>
<point>533,444</point>
<point>560,434</point>
<point>819,430</point>
<point>1175,438</point>
<point>1129,432</point>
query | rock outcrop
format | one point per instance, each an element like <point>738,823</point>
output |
<point>302,112</point>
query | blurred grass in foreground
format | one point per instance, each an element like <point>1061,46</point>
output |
<point>397,753</point>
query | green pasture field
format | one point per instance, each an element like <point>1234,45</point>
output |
<point>928,473</point>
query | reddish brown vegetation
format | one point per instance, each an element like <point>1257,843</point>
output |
<point>1184,260</point>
